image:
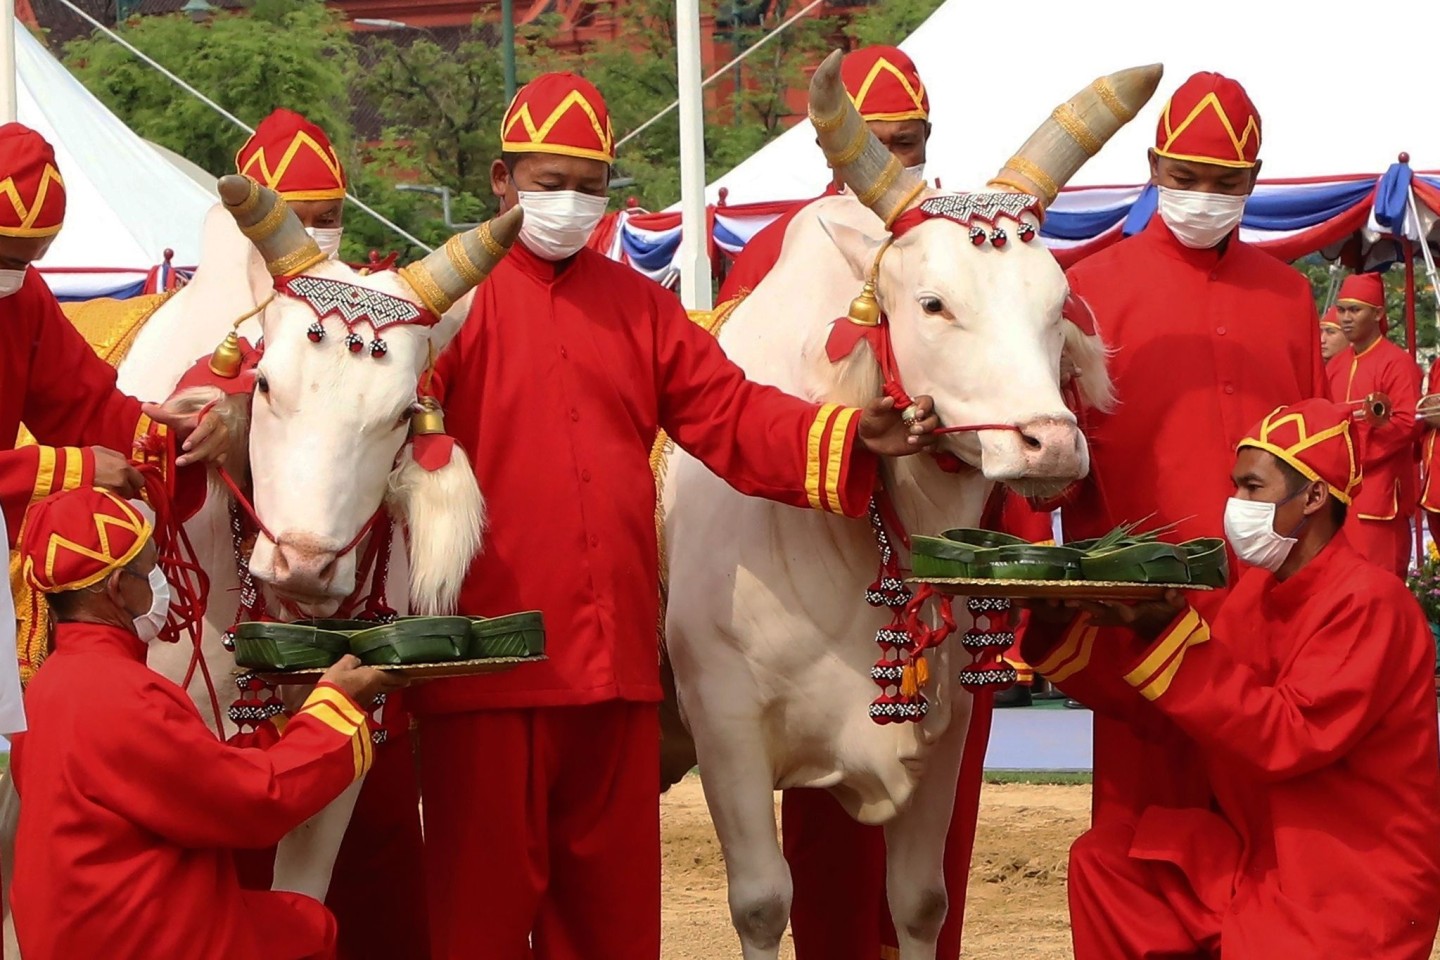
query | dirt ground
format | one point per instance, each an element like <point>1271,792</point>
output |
<point>1017,877</point>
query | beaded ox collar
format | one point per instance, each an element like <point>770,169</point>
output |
<point>353,304</point>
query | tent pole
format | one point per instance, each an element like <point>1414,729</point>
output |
<point>694,257</point>
<point>8,109</point>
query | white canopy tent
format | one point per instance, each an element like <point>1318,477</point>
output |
<point>1340,87</point>
<point>125,205</point>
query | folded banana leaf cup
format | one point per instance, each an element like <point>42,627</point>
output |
<point>942,557</point>
<point>1208,561</point>
<point>292,646</point>
<point>984,538</point>
<point>1138,563</point>
<point>1031,562</point>
<point>412,640</point>
<point>514,635</point>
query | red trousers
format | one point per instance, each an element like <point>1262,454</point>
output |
<point>1385,543</point>
<point>1124,908</point>
<point>542,827</point>
<point>838,866</point>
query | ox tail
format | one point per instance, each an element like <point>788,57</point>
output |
<point>1089,355</point>
<point>445,516</point>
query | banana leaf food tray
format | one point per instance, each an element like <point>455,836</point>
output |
<point>1122,565</point>
<point>412,647</point>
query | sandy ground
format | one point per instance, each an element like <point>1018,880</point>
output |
<point>1017,877</point>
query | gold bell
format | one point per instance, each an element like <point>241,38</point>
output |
<point>865,309</point>
<point>226,360</point>
<point>428,419</point>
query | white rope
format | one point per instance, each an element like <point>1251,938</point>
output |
<point>718,73</point>
<point>366,208</point>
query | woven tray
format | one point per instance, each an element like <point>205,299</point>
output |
<point>1053,589</point>
<point>414,671</point>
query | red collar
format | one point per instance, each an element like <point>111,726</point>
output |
<point>99,638</point>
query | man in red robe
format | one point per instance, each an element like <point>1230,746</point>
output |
<point>50,378</point>
<point>131,808</point>
<point>1430,462</point>
<point>1207,335</point>
<point>887,91</point>
<point>1308,699</point>
<point>541,786</point>
<point>380,859</point>
<point>1332,338</point>
<point>1371,365</point>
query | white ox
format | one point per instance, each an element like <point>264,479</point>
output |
<point>327,447</point>
<point>768,630</point>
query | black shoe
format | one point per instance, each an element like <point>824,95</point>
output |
<point>1015,695</point>
<point>1075,705</point>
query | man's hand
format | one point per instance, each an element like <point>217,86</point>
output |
<point>361,684</point>
<point>1148,618</point>
<point>887,432</point>
<point>1049,610</point>
<point>115,472</point>
<point>206,435</point>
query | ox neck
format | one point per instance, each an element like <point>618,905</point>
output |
<point>929,500</point>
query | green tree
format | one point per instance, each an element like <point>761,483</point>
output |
<point>279,53</point>
<point>890,22</point>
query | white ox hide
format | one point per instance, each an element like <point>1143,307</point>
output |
<point>768,630</point>
<point>325,452</point>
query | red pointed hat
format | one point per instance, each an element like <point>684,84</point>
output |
<point>32,193</point>
<point>1330,319</point>
<point>293,157</point>
<point>1314,437</point>
<point>559,113</point>
<point>1366,288</point>
<point>74,539</point>
<point>1210,119</point>
<point>884,84</point>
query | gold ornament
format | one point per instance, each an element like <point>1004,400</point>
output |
<point>428,419</point>
<point>225,361</point>
<point>865,309</point>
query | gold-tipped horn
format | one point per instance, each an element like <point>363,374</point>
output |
<point>1076,131</point>
<point>463,262</point>
<point>873,174</point>
<point>271,225</point>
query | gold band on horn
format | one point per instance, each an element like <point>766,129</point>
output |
<point>1072,124</point>
<point>425,287</point>
<point>1111,99</point>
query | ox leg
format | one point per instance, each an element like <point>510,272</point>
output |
<point>915,846</point>
<point>306,856</point>
<point>9,823</point>
<point>740,791</point>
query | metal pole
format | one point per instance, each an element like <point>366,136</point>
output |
<point>694,262</point>
<point>8,80</point>
<point>507,45</point>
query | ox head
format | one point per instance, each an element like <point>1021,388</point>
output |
<point>976,311</point>
<point>344,354</point>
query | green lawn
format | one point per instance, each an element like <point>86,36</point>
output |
<point>1041,777</point>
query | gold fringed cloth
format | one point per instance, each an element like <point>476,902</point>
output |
<point>110,327</point>
<point>710,321</point>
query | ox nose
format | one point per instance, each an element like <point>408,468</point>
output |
<point>300,568</point>
<point>1051,447</point>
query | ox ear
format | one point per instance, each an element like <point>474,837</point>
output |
<point>858,247</point>
<point>450,322</point>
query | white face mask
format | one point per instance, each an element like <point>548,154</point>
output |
<point>1200,220</point>
<point>10,282</point>
<point>1250,528</point>
<point>149,624</point>
<point>327,239</point>
<point>558,222</point>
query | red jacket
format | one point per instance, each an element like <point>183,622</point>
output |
<point>1430,451</point>
<point>1204,344</point>
<point>1311,703</point>
<point>555,387</point>
<point>131,809</point>
<point>1387,451</point>
<point>52,380</point>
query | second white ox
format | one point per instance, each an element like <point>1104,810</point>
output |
<point>768,629</point>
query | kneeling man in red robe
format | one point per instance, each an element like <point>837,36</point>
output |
<point>1310,703</point>
<point>130,807</point>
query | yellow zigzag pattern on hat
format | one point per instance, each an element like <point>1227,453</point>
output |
<point>1211,101</point>
<point>538,134</point>
<point>917,97</point>
<point>28,213</point>
<point>271,178</point>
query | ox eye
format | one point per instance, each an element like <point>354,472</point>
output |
<point>261,384</point>
<point>932,305</point>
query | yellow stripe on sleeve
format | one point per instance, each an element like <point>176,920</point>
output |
<point>74,467</point>
<point>1152,678</point>
<point>1079,662</point>
<point>812,458</point>
<point>44,475</point>
<point>835,459</point>
<point>1066,649</point>
<point>338,700</point>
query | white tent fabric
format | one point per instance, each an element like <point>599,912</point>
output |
<point>124,204</point>
<point>1335,84</point>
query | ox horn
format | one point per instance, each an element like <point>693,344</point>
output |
<point>1076,131</point>
<point>873,174</point>
<point>271,225</point>
<point>463,262</point>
